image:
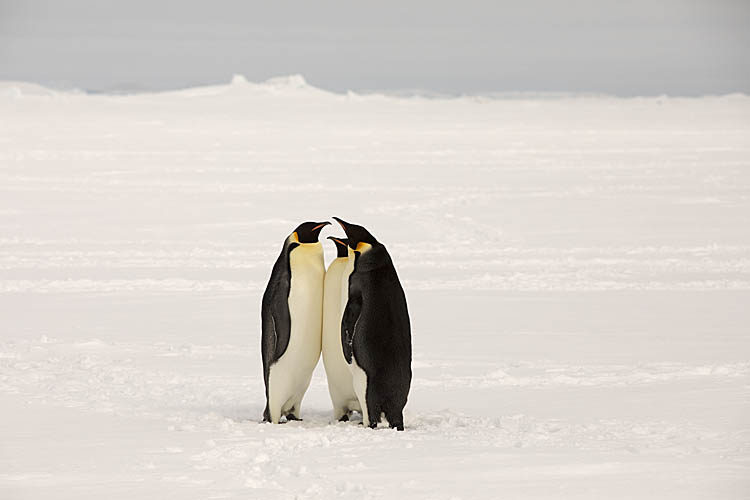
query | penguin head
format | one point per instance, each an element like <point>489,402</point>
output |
<point>358,238</point>
<point>308,232</point>
<point>342,246</point>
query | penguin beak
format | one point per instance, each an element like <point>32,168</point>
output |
<point>320,226</point>
<point>337,240</point>
<point>341,223</point>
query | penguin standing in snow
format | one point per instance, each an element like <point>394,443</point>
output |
<point>375,331</point>
<point>335,294</point>
<point>291,322</point>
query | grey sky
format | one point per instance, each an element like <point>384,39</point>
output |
<point>679,47</point>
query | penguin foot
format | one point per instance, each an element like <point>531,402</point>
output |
<point>344,418</point>
<point>291,417</point>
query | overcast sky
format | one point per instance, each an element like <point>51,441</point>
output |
<point>639,47</point>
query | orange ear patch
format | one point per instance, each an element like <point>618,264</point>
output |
<point>362,247</point>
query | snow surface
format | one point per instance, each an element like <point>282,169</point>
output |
<point>577,270</point>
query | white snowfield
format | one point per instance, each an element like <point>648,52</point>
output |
<point>577,271</point>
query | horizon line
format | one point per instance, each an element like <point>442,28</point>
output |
<point>299,82</point>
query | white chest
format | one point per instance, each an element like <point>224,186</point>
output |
<point>306,296</point>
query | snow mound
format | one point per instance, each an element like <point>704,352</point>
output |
<point>239,87</point>
<point>15,89</point>
<point>239,80</point>
<point>297,82</point>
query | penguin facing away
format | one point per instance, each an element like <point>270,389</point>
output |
<point>375,331</point>
<point>291,322</point>
<point>335,294</point>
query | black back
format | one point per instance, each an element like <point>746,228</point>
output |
<point>376,330</point>
<point>274,311</point>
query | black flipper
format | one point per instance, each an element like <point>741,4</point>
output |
<point>276,326</point>
<point>349,323</point>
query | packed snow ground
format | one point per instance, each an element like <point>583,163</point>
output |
<point>577,270</point>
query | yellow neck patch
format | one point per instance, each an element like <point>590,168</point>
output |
<point>363,247</point>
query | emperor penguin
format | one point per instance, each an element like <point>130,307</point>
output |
<point>375,331</point>
<point>335,295</point>
<point>291,322</point>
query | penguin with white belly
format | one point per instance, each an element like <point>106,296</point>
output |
<point>291,322</point>
<point>375,331</point>
<point>335,294</point>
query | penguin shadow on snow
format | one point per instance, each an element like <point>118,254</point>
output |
<point>321,419</point>
<point>315,419</point>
